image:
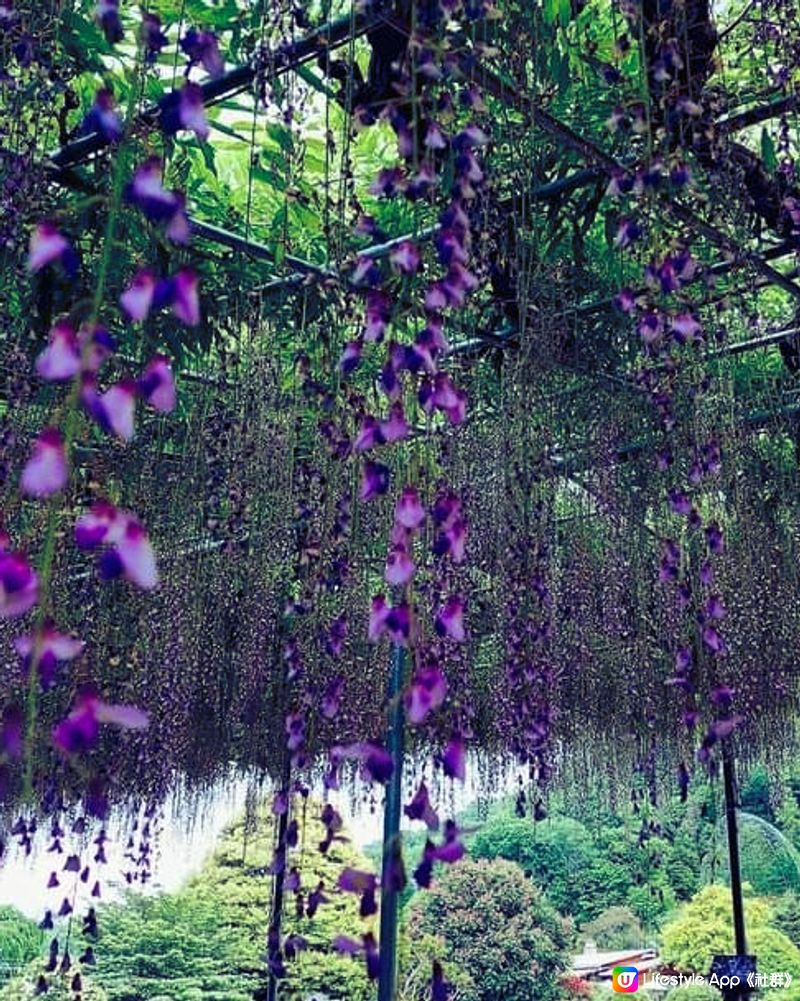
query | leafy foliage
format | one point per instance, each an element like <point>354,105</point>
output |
<point>704,927</point>
<point>607,856</point>
<point>20,941</point>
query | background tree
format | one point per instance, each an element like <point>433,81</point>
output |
<point>615,928</point>
<point>786,916</point>
<point>497,927</point>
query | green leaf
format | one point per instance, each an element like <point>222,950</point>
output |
<point>314,81</point>
<point>768,153</point>
<point>227,130</point>
<point>281,135</point>
<point>208,156</point>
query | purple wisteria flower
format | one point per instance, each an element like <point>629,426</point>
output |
<point>156,385</point>
<point>102,117</point>
<point>114,410</point>
<point>376,762</point>
<point>425,694</point>
<point>146,292</point>
<point>454,759</point>
<point>374,480</point>
<point>152,37</point>
<point>420,808</point>
<point>129,552</point>
<point>202,47</point>
<point>52,649</point>
<point>47,469</point>
<point>184,109</point>
<point>48,246</point>
<point>19,585</point>
<point>158,204</point>
<point>81,728</point>
<point>61,359</point>
<point>450,619</point>
<point>107,15</point>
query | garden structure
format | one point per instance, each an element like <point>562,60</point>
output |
<point>391,390</point>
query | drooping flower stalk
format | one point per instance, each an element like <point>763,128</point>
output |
<point>70,420</point>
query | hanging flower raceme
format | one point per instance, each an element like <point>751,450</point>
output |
<point>127,549</point>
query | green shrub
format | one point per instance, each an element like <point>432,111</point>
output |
<point>694,992</point>
<point>496,927</point>
<point>703,928</point>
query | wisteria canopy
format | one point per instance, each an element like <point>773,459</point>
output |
<point>452,342</point>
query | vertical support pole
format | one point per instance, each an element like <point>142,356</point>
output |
<point>276,917</point>
<point>740,993</point>
<point>391,831</point>
<point>729,777</point>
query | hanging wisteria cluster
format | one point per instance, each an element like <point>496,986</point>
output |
<point>534,488</point>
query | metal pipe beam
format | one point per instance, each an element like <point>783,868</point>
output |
<point>282,60</point>
<point>597,157</point>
